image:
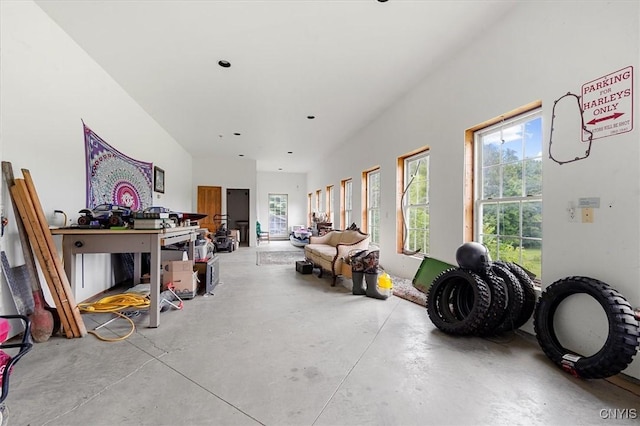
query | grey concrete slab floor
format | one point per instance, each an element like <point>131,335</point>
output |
<point>276,347</point>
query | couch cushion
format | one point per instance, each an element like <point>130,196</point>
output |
<point>323,251</point>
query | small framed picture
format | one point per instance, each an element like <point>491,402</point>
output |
<point>158,179</point>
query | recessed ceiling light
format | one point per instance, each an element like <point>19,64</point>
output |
<point>311,117</point>
<point>237,134</point>
<point>224,64</point>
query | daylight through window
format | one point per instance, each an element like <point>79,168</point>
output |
<point>508,176</point>
<point>278,216</point>
<point>373,205</point>
<point>415,203</point>
<point>347,203</point>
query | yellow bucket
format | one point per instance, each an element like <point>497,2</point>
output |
<point>385,285</point>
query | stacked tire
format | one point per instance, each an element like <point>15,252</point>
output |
<point>488,299</point>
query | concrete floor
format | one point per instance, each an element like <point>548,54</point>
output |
<point>275,347</point>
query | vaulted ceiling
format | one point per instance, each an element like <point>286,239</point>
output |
<point>342,62</point>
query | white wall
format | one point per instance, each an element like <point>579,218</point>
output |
<point>48,85</point>
<point>292,184</point>
<point>541,51</point>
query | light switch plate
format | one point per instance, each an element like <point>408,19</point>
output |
<point>587,215</point>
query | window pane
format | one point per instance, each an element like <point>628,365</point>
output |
<point>509,219</point>
<point>532,256</point>
<point>374,194</point>
<point>532,219</point>
<point>512,146</point>
<point>418,229</point>
<point>491,182</point>
<point>418,192</point>
<point>278,215</point>
<point>374,225</point>
<point>512,180</point>
<point>491,149</point>
<point>533,183</point>
<point>491,242</point>
<point>490,218</point>
<point>533,138</point>
<point>509,249</point>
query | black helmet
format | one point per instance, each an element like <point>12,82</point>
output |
<point>474,256</point>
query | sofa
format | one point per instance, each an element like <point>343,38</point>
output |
<point>329,251</point>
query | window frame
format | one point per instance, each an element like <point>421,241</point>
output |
<point>329,203</point>
<point>404,179</point>
<point>473,180</point>
<point>318,200</point>
<point>273,230</point>
<point>309,195</point>
<point>368,210</point>
<point>346,203</point>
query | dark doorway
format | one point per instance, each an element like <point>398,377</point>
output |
<point>238,213</point>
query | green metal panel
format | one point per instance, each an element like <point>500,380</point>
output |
<point>429,269</point>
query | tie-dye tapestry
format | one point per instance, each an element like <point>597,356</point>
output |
<point>114,178</point>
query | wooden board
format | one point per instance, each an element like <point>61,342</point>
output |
<point>29,220</point>
<point>78,322</point>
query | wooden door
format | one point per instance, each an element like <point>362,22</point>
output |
<point>209,203</point>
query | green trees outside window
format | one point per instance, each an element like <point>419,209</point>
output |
<point>509,187</point>
<point>416,203</point>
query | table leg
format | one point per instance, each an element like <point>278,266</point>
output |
<point>70,263</point>
<point>137,268</point>
<point>154,309</point>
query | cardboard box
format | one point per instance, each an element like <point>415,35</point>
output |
<point>180,273</point>
<point>185,284</point>
<point>177,266</point>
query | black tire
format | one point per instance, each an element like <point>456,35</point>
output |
<point>440,304</point>
<point>515,298</point>
<point>116,221</point>
<point>497,308</point>
<point>529,301</point>
<point>624,331</point>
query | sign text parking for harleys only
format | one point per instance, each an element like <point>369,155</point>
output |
<point>607,103</point>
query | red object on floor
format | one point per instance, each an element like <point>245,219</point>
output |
<point>4,329</point>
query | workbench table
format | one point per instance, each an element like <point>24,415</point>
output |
<point>77,241</point>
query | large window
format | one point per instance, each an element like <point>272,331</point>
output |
<point>508,177</point>
<point>346,187</point>
<point>373,205</point>
<point>415,202</point>
<point>329,192</point>
<point>318,200</point>
<point>278,220</point>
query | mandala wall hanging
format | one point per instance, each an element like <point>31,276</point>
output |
<point>114,178</point>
